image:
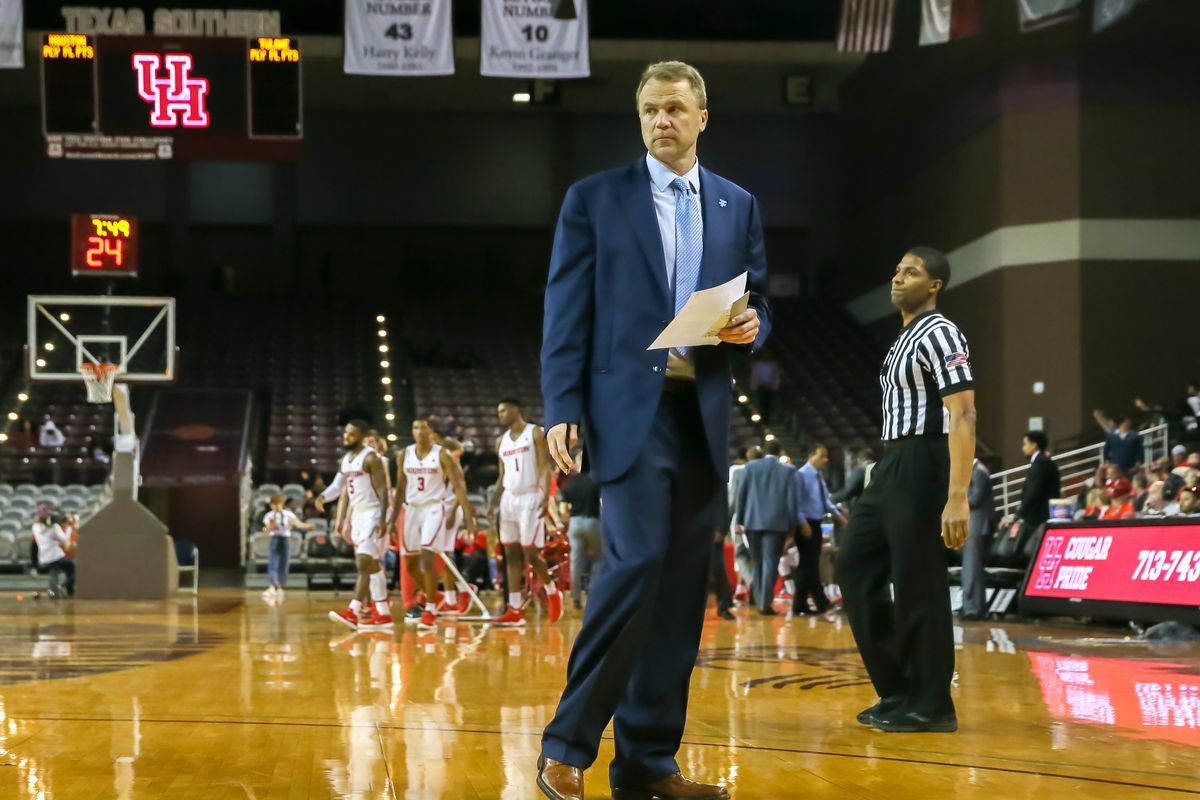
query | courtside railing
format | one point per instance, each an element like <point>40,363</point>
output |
<point>1074,468</point>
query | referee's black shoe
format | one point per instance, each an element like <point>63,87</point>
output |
<point>899,721</point>
<point>886,705</point>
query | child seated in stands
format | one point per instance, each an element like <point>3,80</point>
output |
<point>279,522</point>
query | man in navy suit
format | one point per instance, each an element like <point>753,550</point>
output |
<point>632,244</point>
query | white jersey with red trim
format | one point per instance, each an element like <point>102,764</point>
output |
<point>520,461</point>
<point>426,479</point>
<point>359,488</point>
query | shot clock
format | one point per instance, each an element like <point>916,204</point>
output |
<point>104,245</point>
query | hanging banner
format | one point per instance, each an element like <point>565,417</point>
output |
<point>546,39</point>
<point>410,38</point>
<point>12,35</point>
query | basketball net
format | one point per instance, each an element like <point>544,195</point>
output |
<point>98,378</point>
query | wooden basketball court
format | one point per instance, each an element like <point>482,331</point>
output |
<point>225,697</point>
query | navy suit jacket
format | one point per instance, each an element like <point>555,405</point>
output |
<point>607,299</point>
<point>766,498</point>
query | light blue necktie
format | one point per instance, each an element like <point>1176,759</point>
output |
<point>689,244</point>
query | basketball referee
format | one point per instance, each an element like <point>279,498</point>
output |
<point>918,489</point>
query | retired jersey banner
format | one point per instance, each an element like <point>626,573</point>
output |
<point>399,37</point>
<point>12,35</point>
<point>545,39</point>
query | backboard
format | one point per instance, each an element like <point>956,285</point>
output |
<point>136,333</point>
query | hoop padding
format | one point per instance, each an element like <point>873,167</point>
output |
<point>98,378</point>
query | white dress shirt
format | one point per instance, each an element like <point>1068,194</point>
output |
<point>661,177</point>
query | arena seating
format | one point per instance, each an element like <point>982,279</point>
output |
<point>830,373</point>
<point>17,506</point>
<point>304,361</point>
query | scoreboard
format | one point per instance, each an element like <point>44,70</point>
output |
<point>104,245</point>
<point>171,97</point>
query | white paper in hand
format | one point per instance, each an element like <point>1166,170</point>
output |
<point>704,315</point>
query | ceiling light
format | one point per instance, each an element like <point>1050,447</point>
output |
<point>387,398</point>
<point>41,362</point>
<point>12,415</point>
<point>770,437</point>
<point>383,348</point>
<point>22,397</point>
<point>379,318</point>
<point>49,346</point>
<point>382,333</point>
<point>521,97</point>
<point>385,380</point>
<point>385,364</point>
<point>756,417</point>
<point>391,437</point>
<point>389,416</point>
<point>743,399</point>
<point>65,317</point>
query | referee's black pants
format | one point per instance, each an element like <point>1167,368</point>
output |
<point>907,644</point>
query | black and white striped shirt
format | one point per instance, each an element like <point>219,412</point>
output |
<point>928,361</point>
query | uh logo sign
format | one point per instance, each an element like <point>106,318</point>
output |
<point>166,81</point>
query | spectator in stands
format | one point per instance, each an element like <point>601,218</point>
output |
<point>1096,481</point>
<point>53,543</point>
<point>1178,456</point>
<point>1188,505</point>
<point>50,435</point>
<point>96,451</point>
<point>1122,444</point>
<point>1115,482</point>
<point>306,479</point>
<point>310,498</point>
<point>1041,484</point>
<point>1192,463</point>
<point>765,377</point>
<point>1156,501</point>
<point>1097,501</point>
<point>1191,480</point>
<point>857,481</point>
<point>1120,506</point>
<point>1141,492</point>
<point>279,523</point>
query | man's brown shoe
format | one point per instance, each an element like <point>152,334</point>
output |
<point>673,787</point>
<point>559,781</point>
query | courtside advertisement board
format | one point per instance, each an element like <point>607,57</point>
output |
<point>1139,569</point>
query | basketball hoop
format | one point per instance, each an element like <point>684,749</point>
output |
<point>98,378</point>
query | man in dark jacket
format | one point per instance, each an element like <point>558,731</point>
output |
<point>1041,485</point>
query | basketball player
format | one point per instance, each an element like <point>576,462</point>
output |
<point>363,489</point>
<point>523,494</point>
<point>425,471</point>
<point>452,603</point>
<point>379,582</point>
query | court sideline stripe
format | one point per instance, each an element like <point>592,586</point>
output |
<point>754,748</point>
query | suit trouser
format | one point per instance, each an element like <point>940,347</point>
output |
<point>807,574</point>
<point>718,577</point>
<point>907,644</point>
<point>632,660</point>
<point>766,548</point>
<point>974,580</point>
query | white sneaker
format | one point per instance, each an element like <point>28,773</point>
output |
<point>269,594</point>
<point>279,595</point>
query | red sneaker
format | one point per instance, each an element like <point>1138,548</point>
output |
<point>428,621</point>
<point>742,594</point>
<point>554,606</point>
<point>464,602</point>
<point>444,609</point>
<point>512,618</point>
<point>346,617</point>
<point>376,621</point>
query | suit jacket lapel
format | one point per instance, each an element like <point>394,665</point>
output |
<point>717,222</point>
<point>639,208</point>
